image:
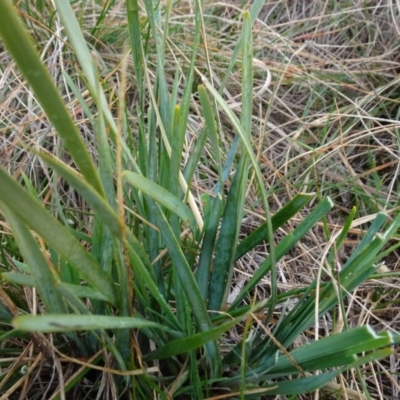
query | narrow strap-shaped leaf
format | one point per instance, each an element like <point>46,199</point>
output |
<point>178,138</point>
<point>211,127</point>
<point>189,284</point>
<point>162,196</point>
<point>185,344</point>
<point>324,354</point>
<point>20,46</point>
<point>302,385</point>
<point>280,218</point>
<point>286,387</point>
<point>342,235</point>
<point>372,230</point>
<point>55,234</point>
<point>332,351</point>
<point>68,322</point>
<point>231,222</point>
<point>136,44</point>
<point>214,208</point>
<point>188,343</point>
<point>138,257</point>
<point>44,277</point>
<point>284,246</point>
<point>222,269</point>
<point>354,272</point>
<point>255,9</point>
<point>78,291</point>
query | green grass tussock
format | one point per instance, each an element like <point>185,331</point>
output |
<point>199,200</point>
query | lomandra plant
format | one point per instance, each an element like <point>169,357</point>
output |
<point>144,297</point>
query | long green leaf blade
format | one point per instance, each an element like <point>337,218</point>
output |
<point>68,322</point>
<point>222,272</point>
<point>332,351</point>
<point>20,46</point>
<point>162,196</point>
<point>44,277</point>
<point>188,283</point>
<point>280,218</point>
<point>284,246</point>
<point>186,344</point>
<point>225,251</point>
<point>55,234</point>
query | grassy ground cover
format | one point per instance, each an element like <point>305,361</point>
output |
<point>199,199</point>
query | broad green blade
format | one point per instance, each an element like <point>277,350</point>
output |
<point>20,46</point>
<point>352,275</point>
<point>102,244</point>
<point>189,284</point>
<point>135,35</point>
<point>139,259</point>
<point>44,276</point>
<point>247,75</point>
<point>85,292</point>
<point>67,322</point>
<point>303,385</point>
<point>255,9</point>
<point>222,268</point>
<point>288,387</point>
<point>211,127</point>
<point>56,235</point>
<point>245,139</point>
<point>213,209</point>
<point>280,218</point>
<point>343,234</point>
<point>161,196</point>
<point>89,68</point>
<point>366,240</point>
<point>188,343</point>
<point>185,344</point>
<point>333,351</point>
<point>284,247</point>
